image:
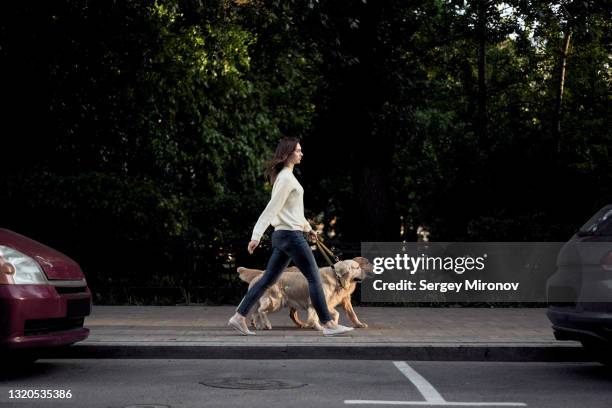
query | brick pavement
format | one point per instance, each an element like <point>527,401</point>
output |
<point>182,325</point>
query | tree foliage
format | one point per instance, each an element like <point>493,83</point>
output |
<point>136,131</point>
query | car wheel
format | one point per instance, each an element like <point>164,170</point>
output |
<point>599,350</point>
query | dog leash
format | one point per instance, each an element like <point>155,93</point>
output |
<point>327,253</point>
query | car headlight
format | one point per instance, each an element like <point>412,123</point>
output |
<point>19,269</point>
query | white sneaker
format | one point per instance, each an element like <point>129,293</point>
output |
<point>239,326</point>
<point>339,329</point>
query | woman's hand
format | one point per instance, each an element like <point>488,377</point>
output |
<point>252,245</point>
<point>312,235</point>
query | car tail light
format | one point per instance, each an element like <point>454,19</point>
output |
<point>606,261</point>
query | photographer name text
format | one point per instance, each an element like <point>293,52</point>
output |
<point>425,285</point>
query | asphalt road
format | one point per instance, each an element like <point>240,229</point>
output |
<point>305,383</point>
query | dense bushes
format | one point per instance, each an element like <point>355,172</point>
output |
<point>136,131</point>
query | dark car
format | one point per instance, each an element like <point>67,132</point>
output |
<point>580,292</point>
<point>44,297</point>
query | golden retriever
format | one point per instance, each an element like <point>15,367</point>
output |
<point>291,289</point>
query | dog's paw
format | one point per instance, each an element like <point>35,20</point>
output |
<point>259,326</point>
<point>268,327</point>
<point>360,325</point>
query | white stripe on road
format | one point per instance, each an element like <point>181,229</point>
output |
<point>440,404</point>
<point>425,388</point>
<point>431,395</point>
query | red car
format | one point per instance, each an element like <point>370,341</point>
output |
<point>44,297</point>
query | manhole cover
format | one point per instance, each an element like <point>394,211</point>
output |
<point>251,384</point>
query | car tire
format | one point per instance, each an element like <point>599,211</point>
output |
<point>599,350</point>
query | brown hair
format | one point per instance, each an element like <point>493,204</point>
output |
<point>284,149</point>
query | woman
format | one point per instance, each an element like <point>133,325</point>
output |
<point>285,212</point>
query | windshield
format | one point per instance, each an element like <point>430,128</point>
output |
<point>599,224</point>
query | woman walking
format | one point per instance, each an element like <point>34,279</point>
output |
<point>285,212</point>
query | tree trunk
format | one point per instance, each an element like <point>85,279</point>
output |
<point>481,32</point>
<point>561,84</point>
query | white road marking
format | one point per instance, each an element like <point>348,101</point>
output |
<point>431,395</point>
<point>425,388</point>
<point>439,404</point>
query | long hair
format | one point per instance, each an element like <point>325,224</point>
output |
<point>284,149</point>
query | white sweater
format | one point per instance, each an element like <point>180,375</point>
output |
<point>285,211</point>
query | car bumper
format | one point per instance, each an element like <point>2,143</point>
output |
<point>572,324</point>
<point>33,316</point>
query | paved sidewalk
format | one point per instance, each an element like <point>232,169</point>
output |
<point>503,334</point>
<point>168,325</point>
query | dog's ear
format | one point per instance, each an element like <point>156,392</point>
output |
<point>342,270</point>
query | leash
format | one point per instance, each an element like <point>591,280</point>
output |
<point>327,253</point>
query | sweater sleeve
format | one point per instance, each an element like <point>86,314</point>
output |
<point>307,226</point>
<point>280,193</point>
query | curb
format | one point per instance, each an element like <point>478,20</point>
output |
<point>519,353</point>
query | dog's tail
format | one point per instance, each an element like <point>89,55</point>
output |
<point>247,274</point>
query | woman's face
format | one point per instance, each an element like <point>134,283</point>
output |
<point>296,156</point>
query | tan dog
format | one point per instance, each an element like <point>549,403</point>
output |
<point>291,290</point>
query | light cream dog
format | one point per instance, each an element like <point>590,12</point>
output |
<point>291,290</point>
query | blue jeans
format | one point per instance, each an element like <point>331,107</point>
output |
<point>289,245</point>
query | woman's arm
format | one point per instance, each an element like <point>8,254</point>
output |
<point>280,193</point>
<point>307,226</point>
